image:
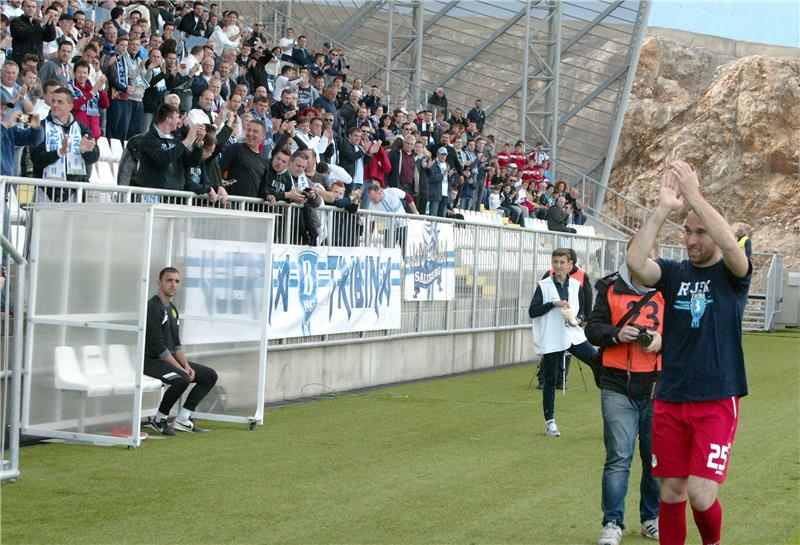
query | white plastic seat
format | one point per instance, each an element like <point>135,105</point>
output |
<point>69,376</point>
<point>105,173</point>
<point>105,149</point>
<point>94,367</point>
<point>116,150</point>
<point>121,367</point>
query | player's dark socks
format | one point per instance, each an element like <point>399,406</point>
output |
<point>672,523</point>
<point>709,523</point>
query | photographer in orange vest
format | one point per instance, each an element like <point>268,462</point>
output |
<point>626,323</point>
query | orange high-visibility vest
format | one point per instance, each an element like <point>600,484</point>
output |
<point>650,316</point>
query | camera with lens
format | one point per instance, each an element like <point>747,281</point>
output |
<point>643,339</point>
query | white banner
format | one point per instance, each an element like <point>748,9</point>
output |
<point>430,273</point>
<point>320,290</point>
<point>222,298</point>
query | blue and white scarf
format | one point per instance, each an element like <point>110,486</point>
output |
<point>122,70</point>
<point>72,163</point>
<point>91,107</point>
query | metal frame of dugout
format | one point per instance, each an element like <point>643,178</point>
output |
<point>93,269</point>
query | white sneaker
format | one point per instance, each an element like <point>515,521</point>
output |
<point>612,534</point>
<point>650,528</point>
<point>188,425</point>
<point>551,429</point>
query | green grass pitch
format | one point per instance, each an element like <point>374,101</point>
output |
<point>459,460</point>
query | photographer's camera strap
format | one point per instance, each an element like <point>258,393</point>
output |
<point>636,308</point>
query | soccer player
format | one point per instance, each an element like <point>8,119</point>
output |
<point>165,359</point>
<point>696,410</point>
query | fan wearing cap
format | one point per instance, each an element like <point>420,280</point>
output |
<point>439,174</point>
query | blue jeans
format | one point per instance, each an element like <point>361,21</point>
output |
<point>551,363</point>
<point>623,420</point>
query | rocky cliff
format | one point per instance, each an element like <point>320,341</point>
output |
<point>736,120</point>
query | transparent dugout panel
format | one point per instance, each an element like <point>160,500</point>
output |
<point>82,380</point>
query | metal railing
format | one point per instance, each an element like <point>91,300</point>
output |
<point>496,265</point>
<point>11,352</point>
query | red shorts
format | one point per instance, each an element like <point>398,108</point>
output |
<point>694,438</point>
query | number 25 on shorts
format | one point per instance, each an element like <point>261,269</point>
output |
<point>718,457</point>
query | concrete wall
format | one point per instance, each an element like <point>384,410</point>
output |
<point>724,47</point>
<point>302,372</point>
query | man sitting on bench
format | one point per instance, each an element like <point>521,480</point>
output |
<point>165,359</point>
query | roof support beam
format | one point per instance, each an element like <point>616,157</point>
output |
<point>478,50</point>
<point>362,15</point>
<point>514,89</point>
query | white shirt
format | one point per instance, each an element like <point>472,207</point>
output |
<point>187,63</point>
<point>392,202</point>
<point>220,41</point>
<point>443,167</point>
<point>358,172</point>
<point>287,44</point>
<point>281,83</point>
<point>11,12</point>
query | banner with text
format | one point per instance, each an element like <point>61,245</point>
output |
<point>320,291</point>
<point>222,298</point>
<point>430,273</point>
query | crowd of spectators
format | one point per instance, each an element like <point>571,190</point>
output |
<point>209,104</point>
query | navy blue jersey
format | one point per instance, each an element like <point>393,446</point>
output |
<point>702,349</point>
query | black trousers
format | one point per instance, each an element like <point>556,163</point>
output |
<point>550,364</point>
<point>204,377</point>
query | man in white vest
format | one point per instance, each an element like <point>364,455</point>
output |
<point>557,312</point>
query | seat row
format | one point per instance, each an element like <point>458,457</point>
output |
<point>97,372</point>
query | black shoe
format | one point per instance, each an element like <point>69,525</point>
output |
<point>559,387</point>
<point>164,427</point>
<point>540,386</point>
<point>188,425</point>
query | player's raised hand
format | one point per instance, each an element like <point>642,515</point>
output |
<point>669,197</point>
<point>686,178</point>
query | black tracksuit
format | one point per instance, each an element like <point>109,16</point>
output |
<point>162,339</point>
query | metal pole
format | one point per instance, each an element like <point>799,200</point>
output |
<point>640,29</point>
<point>389,41</point>
<point>497,278</point>
<point>289,12</point>
<point>419,12</point>
<point>260,10</point>
<point>523,118</point>
<point>555,39</point>
<point>473,319</point>
<point>16,371</point>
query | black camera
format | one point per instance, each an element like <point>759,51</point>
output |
<point>643,339</point>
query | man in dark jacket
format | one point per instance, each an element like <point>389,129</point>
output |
<point>68,149</point>
<point>192,23</point>
<point>351,154</point>
<point>452,156</point>
<point>477,115</point>
<point>300,54</point>
<point>557,217</point>
<point>162,157</point>
<point>28,34</point>
<point>403,166</point>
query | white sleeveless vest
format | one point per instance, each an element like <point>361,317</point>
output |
<point>550,331</point>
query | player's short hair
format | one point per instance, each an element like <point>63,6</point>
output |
<point>167,270</point>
